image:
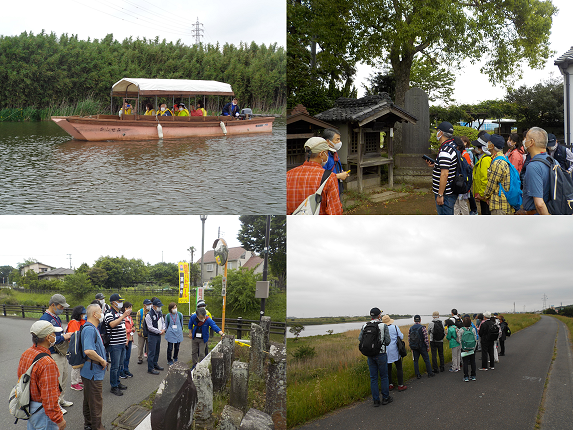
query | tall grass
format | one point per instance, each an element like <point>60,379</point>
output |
<point>568,322</point>
<point>338,374</point>
<point>88,106</point>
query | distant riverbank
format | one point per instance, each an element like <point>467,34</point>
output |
<point>334,320</point>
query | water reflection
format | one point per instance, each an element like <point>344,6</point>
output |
<point>44,172</point>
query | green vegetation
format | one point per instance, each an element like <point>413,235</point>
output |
<point>43,74</point>
<point>568,322</point>
<point>338,374</point>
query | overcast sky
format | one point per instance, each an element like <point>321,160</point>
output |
<point>50,238</point>
<point>344,266</point>
<point>232,22</point>
<point>472,87</point>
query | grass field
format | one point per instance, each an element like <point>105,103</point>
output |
<point>568,322</point>
<point>338,374</point>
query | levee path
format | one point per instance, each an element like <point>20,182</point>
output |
<point>511,397</point>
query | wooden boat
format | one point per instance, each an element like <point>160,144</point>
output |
<point>146,127</point>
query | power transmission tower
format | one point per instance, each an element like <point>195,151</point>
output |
<point>544,301</point>
<point>197,32</point>
<point>70,258</point>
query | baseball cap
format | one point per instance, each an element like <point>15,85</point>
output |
<point>497,141</point>
<point>147,302</point>
<point>417,318</point>
<point>44,328</point>
<point>487,314</point>
<point>551,140</point>
<point>374,312</point>
<point>116,298</point>
<point>316,145</point>
<point>482,140</point>
<point>99,296</point>
<point>58,299</point>
<point>157,303</point>
<point>446,127</point>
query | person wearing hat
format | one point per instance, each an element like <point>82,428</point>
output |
<point>115,324</point>
<point>44,386</point>
<point>76,323</point>
<point>498,175</point>
<point>436,334</point>
<point>393,355</point>
<point>142,345</point>
<point>333,164</point>
<point>561,154</point>
<point>421,347</point>
<point>101,298</point>
<point>536,180</point>
<point>202,304</point>
<point>378,364</point>
<point>487,341</point>
<point>480,170</point>
<point>56,308</point>
<point>199,325</point>
<point>155,327</point>
<point>444,170</point>
<point>182,111</point>
<point>304,180</point>
<point>164,110</point>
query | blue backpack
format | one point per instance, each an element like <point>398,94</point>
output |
<point>513,195</point>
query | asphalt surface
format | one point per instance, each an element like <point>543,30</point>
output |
<point>507,397</point>
<point>15,338</point>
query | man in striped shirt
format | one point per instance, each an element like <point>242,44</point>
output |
<point>44,387</point>
<point>114,320</point>
<point>444,170</point>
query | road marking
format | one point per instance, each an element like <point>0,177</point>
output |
<point>532,378</point>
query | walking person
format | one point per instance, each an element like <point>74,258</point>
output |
<point>455,346</point>
<point>375,334</point>
<point>114,320</point>
<point>393,354</point>
<point>155,328</point>
<point>141,339</point>
<point>468,346</point>
<point>173,333</point>
<point>436,333</point>
<point>94,369</point>
<point>420,345</point>
<point>487,336</point>
<point>505,331</point>
<point>129,331</point>
<point>75,324</point>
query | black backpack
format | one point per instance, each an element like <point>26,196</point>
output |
<point>561,188</point>
<point>463,178</point>
<point>370,345</point>
<point>458,322</point>
<point>415,338</point>
<point>493,332</point>
<point>438,330</point>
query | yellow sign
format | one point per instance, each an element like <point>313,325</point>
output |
<point>183,282</point>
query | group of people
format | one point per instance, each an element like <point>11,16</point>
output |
<point>492,171</point>
<point>180,109</point>
<point>106,338</point>
<point>486,333</point>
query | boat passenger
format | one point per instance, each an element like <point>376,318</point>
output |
<point>149,109</point>
<point>195,112</point>
<point>231,108</point>
<point>201,108</point>
<point>164,110</point>
<point>126,109</point>
<point>182,110</point>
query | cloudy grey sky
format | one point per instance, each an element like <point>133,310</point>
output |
<point>472,87</point>
<point>343,266</point>
<point>49,239</point>
<point>257,20</point>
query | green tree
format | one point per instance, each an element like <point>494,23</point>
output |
<point>97,276</point>
<point>296,329</point>
<point>164,273</point>
<point>122,272</point>
<point>30,280</point>
<point>5,272</point>
<point>84,268</point>
<point>252,237</point>
<point>15,276</point>
<point>78,285</point>
<point>241,286</point>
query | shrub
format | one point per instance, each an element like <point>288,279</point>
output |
<point>304,352</point>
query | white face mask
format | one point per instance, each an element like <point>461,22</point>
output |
<point>148,307</point>
<point>100,319</point>
<point>337,146</point>
<point>119,305</point>
<point>102,302</point>
<point>323,163</point>
<point>438,136</point>
<point>163,108</point>
<point>174,310</point>
<point>159,309</point>
<point>54,342</point>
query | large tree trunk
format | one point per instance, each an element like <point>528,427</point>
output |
<point>402,65</point>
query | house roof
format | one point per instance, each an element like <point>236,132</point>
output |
<point>364,110</point>
<point>299,113</point>
<point>55,272</point>
<point>565,59</point>
<point>37,262</point>
<point>253,262</point>
<point>234,254</point>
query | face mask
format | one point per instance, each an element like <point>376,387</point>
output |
<point>159,309</point>
<point>119,305</point>
<point>54,342</point>
<point>84,317</point>
<point>59,311</point>
<point>510,144</point>
<point>438,136</point>
<point>100,319</point>
<point>234,104</point>
<point>337,146</point>
<point>162,109</point>
<point>174,310</point>
<point>323,163</point>
<point>148,307</point>
<point>102,302</point>
<point>551,149</point>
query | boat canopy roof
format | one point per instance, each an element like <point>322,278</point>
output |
<point>132,87</point>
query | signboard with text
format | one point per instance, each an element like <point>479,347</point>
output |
<point>183,282</point>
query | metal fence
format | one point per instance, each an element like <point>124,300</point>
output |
<point>238,325</point>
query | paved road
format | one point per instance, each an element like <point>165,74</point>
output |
<point>507,397</point>
<point>15,338</point>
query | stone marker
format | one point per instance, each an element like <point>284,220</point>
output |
<point>230,418</point>
<point>415,137</point>
<point>256,420</point>
<point>266,325</point>
<point>218,371</point>
<point>204,385</point>
<point>257,359</point>
<point>276,400</point>
<point>175,401</point>
<point>228,350</point>
<point>239,385</point>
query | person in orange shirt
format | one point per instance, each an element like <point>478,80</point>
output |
<point>44,386</point>
<point>78,320</point>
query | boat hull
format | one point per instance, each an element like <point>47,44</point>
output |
<point>109,127</point>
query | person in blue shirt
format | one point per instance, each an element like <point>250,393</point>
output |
<point>536,181</point>
<point>231,108</point>
<point>93,371</point>
<point>199,324</point>
<point>333,164</point>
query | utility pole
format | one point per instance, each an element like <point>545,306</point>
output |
<point>70,258</point>
<point>266,263</point>
<point>191,249</point>
<point>197,32</point>
<point>203,219</point>
<point>544,298</point>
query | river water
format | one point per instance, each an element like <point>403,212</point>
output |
<point>43,171</point>
<point>314,330</point>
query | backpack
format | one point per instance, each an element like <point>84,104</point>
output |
<point>561,188</point>
<point>311,205</point>
<point>19,401</point>
<point>415,339</point>
<point>458,322</point>
<point>75,354</point>
<point>103,330</point>
<point>513,195</point>
<point>370,345</point>
<point>438,332</point>
<point>463,178</point>
<point>468,340</point>
<point>144,328</point>
<point>493,332</point>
